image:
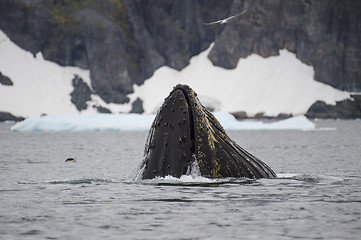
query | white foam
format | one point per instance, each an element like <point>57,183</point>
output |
<point>189,180</point>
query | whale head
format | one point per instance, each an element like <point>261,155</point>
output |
<point>184,132</point>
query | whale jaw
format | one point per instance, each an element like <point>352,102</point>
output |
<point>183,132</point>
<point>169,148</point>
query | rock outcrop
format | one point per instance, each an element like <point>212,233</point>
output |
<point>324,34</point>
<point>137,106</point>
<point>4,80</point>
<point>81,93</point>
<point>5,116</point>
<point>347,109</point>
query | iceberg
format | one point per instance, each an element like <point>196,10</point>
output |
<point>229,122</point>
<point>142,122</point>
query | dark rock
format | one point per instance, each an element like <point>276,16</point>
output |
<point>26,23</point>
<point>346,109</point>
<point>324,34</point>
<point>260,115</point>
<point>240,115</point>
<point>5,116</point>
<point>284,116</point>
<point>137,106</point>
<point>101,109</point>
<point>81,93</point>
<point>4,80</point>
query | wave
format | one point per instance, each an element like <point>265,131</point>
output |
<point>192,180</point>
<point>83,181</point>
<point>188,180</point>
<point>304,177</point>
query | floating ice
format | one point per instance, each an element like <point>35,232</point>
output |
<point>140,122</point>
<point>295,123</point>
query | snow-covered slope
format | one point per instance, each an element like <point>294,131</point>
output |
<point>40,86</point>
<point>280,84</point>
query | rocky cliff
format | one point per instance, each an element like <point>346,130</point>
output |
<point>123,42</point>
<point>347,109</point>
<point>325,34</point>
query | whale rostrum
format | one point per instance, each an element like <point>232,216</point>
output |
<point>184,132</point>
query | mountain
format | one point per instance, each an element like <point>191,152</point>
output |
<point>120,42</point>
<point>123,43</point>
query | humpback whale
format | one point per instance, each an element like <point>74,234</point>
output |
<point>185,134</point>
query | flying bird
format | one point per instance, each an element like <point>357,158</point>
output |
<point>226,20</point>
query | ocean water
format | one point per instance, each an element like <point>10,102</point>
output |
<point>317,194</point>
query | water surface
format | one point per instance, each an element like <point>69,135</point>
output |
<point>317,194</point>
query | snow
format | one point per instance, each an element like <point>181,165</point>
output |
<point>273,85</point>
<point>40,86</point>
<point>142,122</point>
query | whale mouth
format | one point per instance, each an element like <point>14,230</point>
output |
<point>189,102</point>
<point>184,132</point>
<point>171,140</point>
